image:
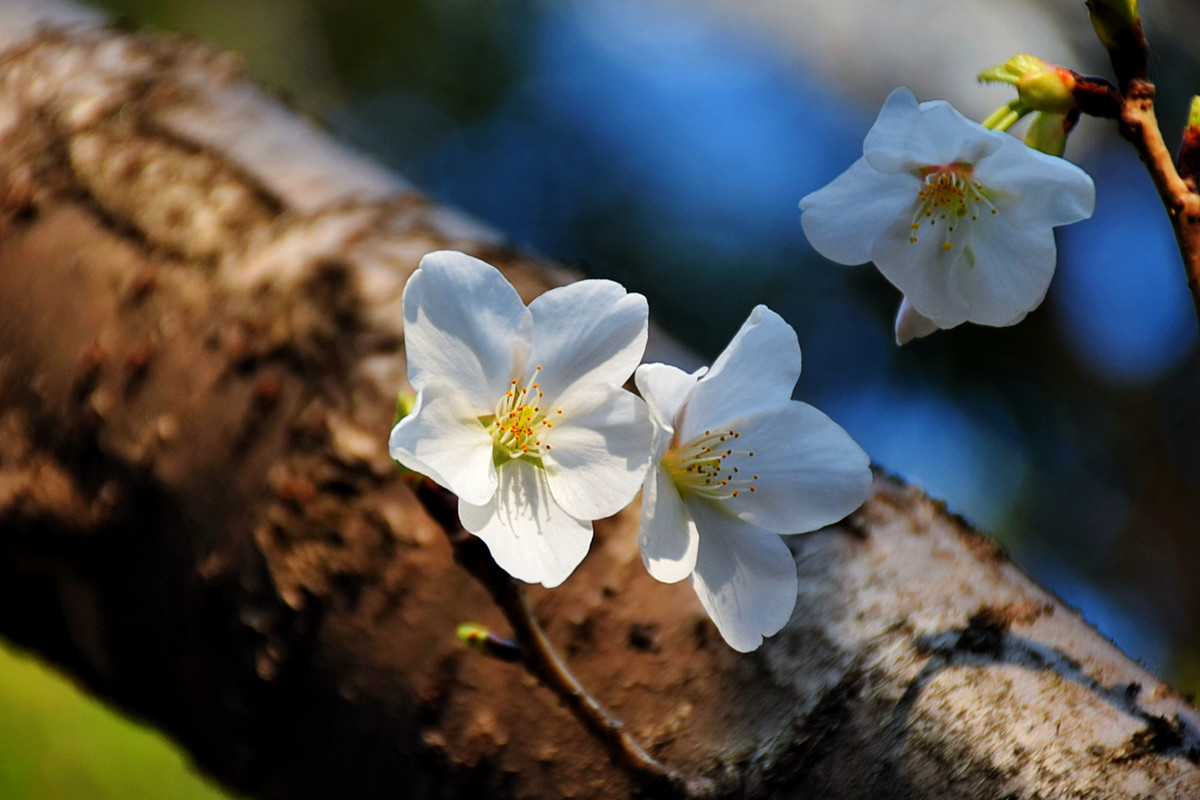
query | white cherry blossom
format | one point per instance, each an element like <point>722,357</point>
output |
<point>958,217</point>
<point>520,411</point>
<point>737,463</point>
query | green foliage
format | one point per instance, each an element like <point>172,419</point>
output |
<point>55,742</point>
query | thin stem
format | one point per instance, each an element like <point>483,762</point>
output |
<point>543,661</point>
<point>539,655</point>
<point>1139,125</point>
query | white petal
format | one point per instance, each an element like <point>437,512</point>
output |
<point>907,136</point>
<point>1037,189</point>
<point>588,332</point>
<point>665,389</point>
<point>528,534</point>
<point>842,219</point>
<point>464,324</point>
<point>1012,271</point>
<point>810,472</point>
<point>924,272</point>
<point>667,537</point>
<point>598,451</point>
<point>912,324</point>
<point>745,577</point>
<point>756,372</point>
<point>443,438</point>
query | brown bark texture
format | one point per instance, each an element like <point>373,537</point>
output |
<point>200,346</point>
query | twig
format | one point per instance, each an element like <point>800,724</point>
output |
<point>539,656</point>
<point>1139,125</point>
<point>1120,31</point>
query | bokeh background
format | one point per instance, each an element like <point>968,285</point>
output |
<point>666,144</point>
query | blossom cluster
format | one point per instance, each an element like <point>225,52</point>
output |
<point>958,217</point>
<point>521,412</point>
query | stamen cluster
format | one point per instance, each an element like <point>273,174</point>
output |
<point>947,193</point>
<point>706,467</point>
<point>519,423</point>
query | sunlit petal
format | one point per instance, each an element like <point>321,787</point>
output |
<point>665,389</point>
<point>585,333</point>
<point>745,577</point>
<point>443,438</point>
<point>757,371</point>
<point>529,535</point>
<point>668,537</point>
<point>806,471</point>
<point>464,324</point>
<point>598,451</point>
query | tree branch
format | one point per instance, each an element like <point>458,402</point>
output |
<point>200,346</point>
<point>1139,125</point>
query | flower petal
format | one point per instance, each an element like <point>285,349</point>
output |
<point>667,537</point>
<point>924,272</point>
<point>1013,268</point>
<point>745,577</point>
<point>912,324</point>
<point>665,389</point>
<point>756,372</point>
<point>598,451</point>
<point>529,535</point>
<point>809,471</point>
<point>908,136</point>
<point>443,438</point>
<point>842,219</point>
<point>464,324</point>
<point>1037,189</point>
<point>587,332</point>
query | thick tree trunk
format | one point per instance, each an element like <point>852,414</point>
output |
<point>200,343</point>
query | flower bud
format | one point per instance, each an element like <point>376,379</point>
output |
<point>1040,86</point>
<point>1120,30</point>
<point>1048,133</point>
<point>1110,17</point>
<point>479,638</point>
<point>1189,148</point>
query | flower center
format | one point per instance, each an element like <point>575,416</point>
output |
<point>709,466</point>
<point>949,194</point>
<point>519,426</point>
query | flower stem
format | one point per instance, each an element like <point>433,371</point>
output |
<point>1122,35</point>
<point>1139,125</point>
<point>539,655</point>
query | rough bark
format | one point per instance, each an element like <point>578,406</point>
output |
<point>200,344</point>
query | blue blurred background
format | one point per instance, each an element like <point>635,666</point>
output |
<point>666,144</point>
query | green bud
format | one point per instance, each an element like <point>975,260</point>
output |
<point>1048,133</point>
<point>1124,11</point>
<point>1189,148</point>
<point>1040,86</point>
<point>479,638</point>
<point>1112,19</point>
<point>1013,70</point>
<point>473,635</point>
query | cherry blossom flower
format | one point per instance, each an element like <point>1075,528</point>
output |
<point>520,411</point>
<point>737,463</point>
<point>958,217</point>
